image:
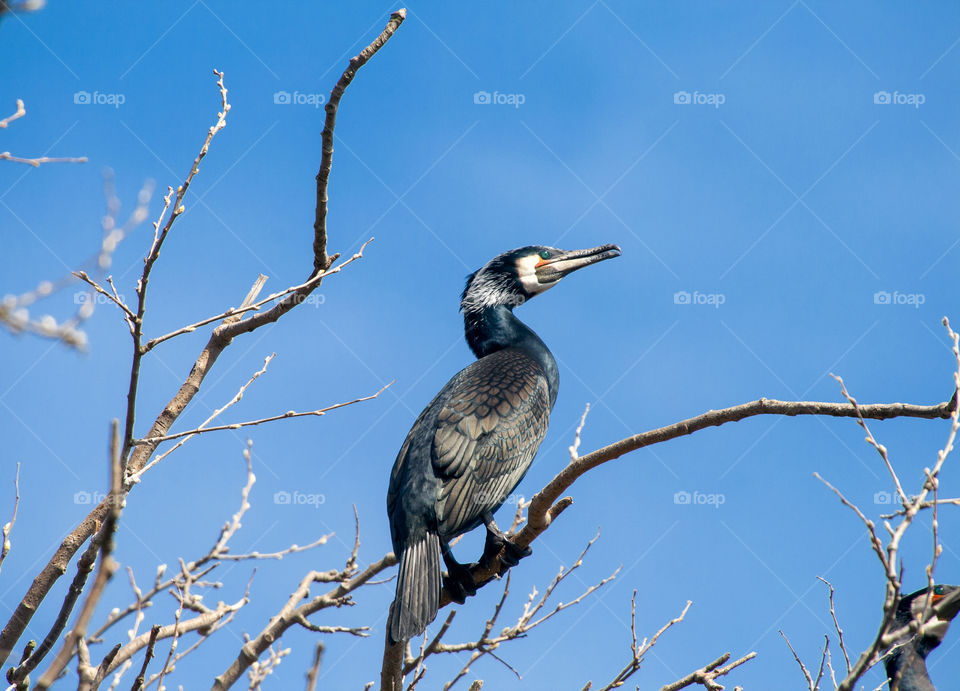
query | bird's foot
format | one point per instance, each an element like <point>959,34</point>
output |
<point>510,553</point>
<point>458,582</point>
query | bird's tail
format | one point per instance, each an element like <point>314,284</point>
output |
<point>418,589</point>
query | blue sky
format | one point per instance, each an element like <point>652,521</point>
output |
<point>743,155</point>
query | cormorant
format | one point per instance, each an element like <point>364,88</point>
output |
<point>473,444</point>
<point>906,665</point>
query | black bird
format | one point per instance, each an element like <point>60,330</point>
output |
<point>906,665</point>
<point>475,441</point>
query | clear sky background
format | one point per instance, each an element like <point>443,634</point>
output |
<point>783,199</point>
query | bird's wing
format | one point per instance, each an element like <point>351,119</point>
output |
<point>488,431</point>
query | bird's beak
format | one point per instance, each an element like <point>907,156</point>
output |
<point>564,262</point>
<point>950,609</point>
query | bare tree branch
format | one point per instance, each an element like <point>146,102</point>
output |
<point>105,571</point>
<point>706,676</point>
<point>15,310</point>
<point>8,526</point>
<point>535,612</point>
<point>201,621</point>
<point>547,504</point>
<point>283,416</point>
<point>36,162</point>
<point>252,306</point>
<point>259,671</point>
<point>138,682</point>
<point>292,613</point>
<point>321,262</point>
<point>314,670</point>
<point>21,111</point>
<point>887,555</point>
<point>803,668</point>
<point>135,458</point>
<point>638,651</point>
<point>836,624</point>
<point>159,235</point>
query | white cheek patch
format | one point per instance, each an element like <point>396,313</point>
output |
<point>527,271</point>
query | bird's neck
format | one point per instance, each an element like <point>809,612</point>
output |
<point>909,669</point>
<point>494,328</point>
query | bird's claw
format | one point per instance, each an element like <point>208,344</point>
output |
<point>509,552</point>
<point>459,583</point>
<point>513,553</point>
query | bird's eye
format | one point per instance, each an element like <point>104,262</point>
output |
<point>938,590</point>
<point>545,254</point>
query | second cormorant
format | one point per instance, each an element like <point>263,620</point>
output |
<point>475,441</point>
<point>907,664</point>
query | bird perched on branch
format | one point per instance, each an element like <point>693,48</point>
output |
<point>473,444</point>
<point>907,663</point>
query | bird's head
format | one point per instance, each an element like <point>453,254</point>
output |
<point>512,278</point>
<point>911,607</point>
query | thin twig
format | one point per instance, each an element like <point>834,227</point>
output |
<point>836,623</point>
<point>138,682</point>
<point>575,447</point>
<point>314,670</point>
<point>105,571</point>
<point>321,262</point>
<point>233,312</point>
<point>885,636</point>
<point>8,526</point>
<point>284,416</point>
<point>36,162</point>
<point>292,611</point>
<point>173,643</point>
<point>803,668</point>
<point>707,675</point>
<point>21,111</point>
